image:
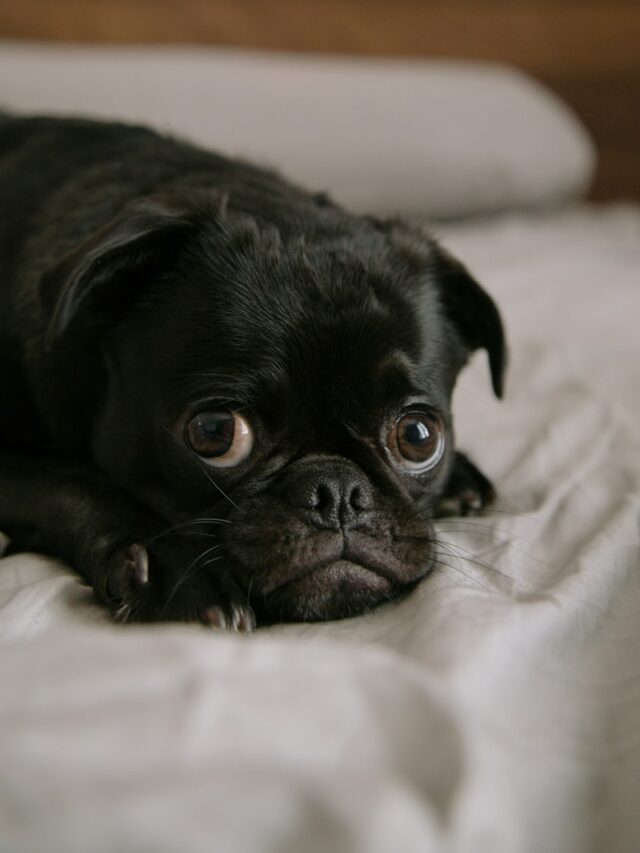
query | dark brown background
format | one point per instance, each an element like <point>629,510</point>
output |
<point>587,50</point>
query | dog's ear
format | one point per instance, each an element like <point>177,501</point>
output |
<point>99,277</point>
<point>467,306</point>
<point>473,312</point>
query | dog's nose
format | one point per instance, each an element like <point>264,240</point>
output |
<point>334,498</point>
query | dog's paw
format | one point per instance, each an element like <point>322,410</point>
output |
<point>236,617</point>
<point>127,583</point>
<point>167,584</point>
<point>468,491</point>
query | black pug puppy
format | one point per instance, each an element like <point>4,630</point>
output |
<point>223,398</point>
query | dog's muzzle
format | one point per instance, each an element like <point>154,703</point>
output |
<point>323,543</point>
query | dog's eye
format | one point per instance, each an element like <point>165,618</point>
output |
<point>416,441</point>
<point>222,439</point>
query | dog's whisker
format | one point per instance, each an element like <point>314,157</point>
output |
<point>510,539</point>
<point>209,561</point>
<point>442,564</point>
<point>182,526</point>
<point>202,467</point>
<point>191,569</point>
<point>490,533</point>
<point>470,556</point>
<point>447,550</point>
<point>211,374</point>
<point>123,612</point>
<point>202,520</point>
<point>466,554</point>
<point>250,588</point>
<point>179,583</point>
<point>182,532</point>
<point>216,485</point>
<point>493,511</point>
<point>484,526</point>
<point>419,510</point>
<point>458,551</point>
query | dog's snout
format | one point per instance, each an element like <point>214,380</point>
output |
<point>333,498</point>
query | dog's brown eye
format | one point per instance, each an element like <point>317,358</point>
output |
<point>416,441</point>
<point>222,439</point>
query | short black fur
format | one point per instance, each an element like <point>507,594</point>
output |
<point>144,280</point>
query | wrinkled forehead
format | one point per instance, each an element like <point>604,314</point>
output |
<point>322,361</point>
<point>347,360</point>
<point>335,336</point>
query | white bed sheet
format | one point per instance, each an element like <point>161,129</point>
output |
<point>497,709</point>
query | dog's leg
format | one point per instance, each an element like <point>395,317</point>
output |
<point>71,511</point>
<point>467,492</point>
<point>139,570</point>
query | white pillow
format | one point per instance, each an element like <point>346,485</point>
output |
<point>430,138</point>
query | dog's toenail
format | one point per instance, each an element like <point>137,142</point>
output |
<point>214,616</point>
<point>138,558</point>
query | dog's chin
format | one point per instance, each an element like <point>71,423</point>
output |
<point>333,590</point>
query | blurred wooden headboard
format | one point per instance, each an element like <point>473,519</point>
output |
<point>588,51</point>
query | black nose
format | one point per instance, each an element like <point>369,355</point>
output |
<point>335,495</point>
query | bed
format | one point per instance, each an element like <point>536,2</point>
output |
<point>498,707</point>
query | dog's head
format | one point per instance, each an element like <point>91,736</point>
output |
<point>291,377</point>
